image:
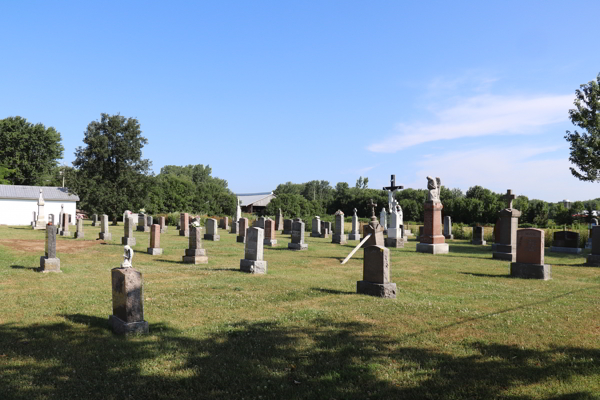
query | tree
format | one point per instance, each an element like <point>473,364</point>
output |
<point>28,152</point>
<point>112,176</point>
<point>585,146</point>
<point>362,183</point>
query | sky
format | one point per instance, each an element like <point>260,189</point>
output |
<point>266,92</point>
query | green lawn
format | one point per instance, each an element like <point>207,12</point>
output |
<point>460,328</point>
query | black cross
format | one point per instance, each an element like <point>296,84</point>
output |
<point>509,197</point>
<point>393,186</point>
<point>372,205</point>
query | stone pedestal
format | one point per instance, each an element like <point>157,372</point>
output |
<point>253,261</point>
<point>95,221</point>
<point>354,236</point>
<point>154,248</point>
<point>243,230</point>
<point>569,250</point>
<point>448,228</point>
<point>506,235</point>
<point>593,260</point>
<point>386,290</point>
<point>394,242</point>
<point>530,271</point>
<point>432,241</point>
<point>297,246</point>
<point>128,302</point>
<point>105,235</point>
<point>270,239</point>
<point>376,273</point>
<point>339,236</point>
<point>195,254</point>
<point>79,232</point>
<point>49,264</point>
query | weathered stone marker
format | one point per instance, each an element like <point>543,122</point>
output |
<point>79,232</point>
<point>184,222</point>
<point>355,232</point>
<point>127,298</point>
<point>279,221</point>
<point>339,236</point>
<point>94,219</point>
<point>383,219</point>
<point>287,226</point>
<point>530,256</point>
<point>316,227</point>
<point>224,223</point>
<point>142,222</point>
<point>104,232</point>
<point>155,248</point>
<point>64,231</point>
<point>49,262</point>
<point>506,231</point>
<point>566,242</point>
<point>325,229</point>
<point>448,227</point>
<point>243,230</point>
<point>593,223</point>
<point>269,233</point>
<point>253,261</point>
<point>478,232</point>
<point>162,221</point>
<point>128,239</point>
<point>593,259</point>
<point>39,220</point>
<point>149,222</point>
<point>297,236</point>
<point>212,231</point>
<point>432,241</point>
<point>195,254</point>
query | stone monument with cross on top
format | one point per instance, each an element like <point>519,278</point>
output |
<point>506,231</point>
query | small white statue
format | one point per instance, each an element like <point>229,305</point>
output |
<point>434,187</point>
<point>127,256</point>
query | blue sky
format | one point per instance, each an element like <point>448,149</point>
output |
<point>267,92</point>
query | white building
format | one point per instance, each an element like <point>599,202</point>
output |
<point>254,202</point>
<point>18,203</point>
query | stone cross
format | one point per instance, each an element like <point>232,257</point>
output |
<point>509,197</point>
<point>373,206</point>
<point>391,190</point>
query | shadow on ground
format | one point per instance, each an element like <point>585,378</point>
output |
<point>325,359</point>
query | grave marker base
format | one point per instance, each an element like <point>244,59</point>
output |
<point>394,242</point>
<point>214,238</point>
<point>195,260</point>
<point>385,290</point>
<point>105,236</point>
<point>593,260</point>
<point>253,267</point>
<point>154,251</point>
<point>269,242</point>
<point>451,237</point>
<point>49,264</point>
<point>78,235</point>
<point>128,241</point>
<point>531,271</point>
<point>572,250</point>
<point>478,242</point>
<point>121,327</point>
<point>338,238</point>
<point>297,246</point>
<point>440,248</point>
<point>241,239</point>
<point>354,236</point>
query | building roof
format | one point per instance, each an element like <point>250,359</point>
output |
<point>33,193</point>
<point>253,198</point>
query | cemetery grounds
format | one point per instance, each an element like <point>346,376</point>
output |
<point>460,328</point>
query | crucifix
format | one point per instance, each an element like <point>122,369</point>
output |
<point>372,205</point>
<point>509,197</point>
<point>392,190</point>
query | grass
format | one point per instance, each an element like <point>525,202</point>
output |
<point>460,328</point>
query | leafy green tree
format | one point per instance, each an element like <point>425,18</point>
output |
<point>4,171</point>
<point>585,146</point>
<point>362,183</point>
<point>562,215</point>
<point>294,206</point>
<point>577,207</point>
<point>112,176</point>
<point>289,188</point>
<point>28,152</point>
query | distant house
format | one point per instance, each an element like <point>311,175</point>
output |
<point>18,203</point>
<point>255,202</point>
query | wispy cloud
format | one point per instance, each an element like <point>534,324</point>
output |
<point>480,115</point>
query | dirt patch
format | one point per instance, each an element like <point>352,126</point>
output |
<point>38,246</point>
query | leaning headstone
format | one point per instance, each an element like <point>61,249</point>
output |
<point>269,233</point>
<point>39,220</point>
<point>49,262</point>
<point>162,221</point>
<point>142,223</point>
<point>279,221</point>
<point>64,231</point>
<point>195,254</point>
<point>478,232</point>
<point>128,239</point>
<point>316,227</point>
<point>593,259</point>
<point>566,242</point>
<point>339,236</point>
<point>297,236</point>
<point>212,230</point>
<point>432,241</point>
<point>79,231</point>
<point>155,248</point>
<point>184,222</point>
<point>224,223</point>
<point>243,229</point>
<point>287,226</point>
<point>127,298</point>
<point>530,256</point>
<point>506,231</point>
<point>448,227</point>
<point>104,232</point>
<point>94,219</point>
<point>253,261</point>
<point>394,231</point>
<point>355,232</point>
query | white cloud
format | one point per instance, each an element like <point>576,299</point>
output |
<point>480,115</point>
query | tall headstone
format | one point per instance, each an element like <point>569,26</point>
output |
<point>49,262</point>
<point>33,219</point>
<point>235,227</point>
<point>212,230</point>
<point>269,233</point>
<point>155,248</point>
<point>355,232</point>
<point>51,219</point>
<point>530,256</point>
<point>566,242</point>
<point>478,233</point>
<point>506,231</point>
<point>279,221</point>
<point>238,211</point>
<point>40,220</point>
<point>184,222</point>
<point>297,236</point>
<point>316,227</point>
<point>162,221</point>
<point>104,231</point>
<point>64,231</point>
<point>376,264</point>
<point>593,259</point>
<point>253,261</point>
<point>142,223</point>
<point>127,298</point>
<point>395,238</point>
<point>432,241</point>
<point>79,232</point>
<point>94,219</point>
<point>339,236</point>
<point>448,227</point>
<point>195,254</point>
<point>128,239</point>
<point>243,230</point>
<point>224,223</point>
<point>287,226</point>
<point>60,216</point>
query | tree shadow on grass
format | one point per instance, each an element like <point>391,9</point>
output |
<point>486,275</point>
<point>324,359</point>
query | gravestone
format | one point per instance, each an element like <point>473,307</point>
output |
<point>212,230</point>
<point>392,189</point>
<point>394,231</point>
<point>49,262</point>
<point>39,219</point>
<point>162,221</point>
<point>104,231</point>
<point>79,231</point>
<point>127,298</point>
<point>355,232</point>
<point>383,220</point>
<point>287,226</point>
<point>496,234</point>
<point>593,259</point>
<point>51,219</point>
<point>128,239</point>
<point>260,223</point>
<point>195,254</point>
<point>94,219</point>
<point>297,236</point>
<point>224,223</point>
<point>376,263</point>
<point>478,232</point>
<point>235,227</point>
<point>339,236</point>
<point>279,221</point>
<point>431,240</point>
<point>506,231</point>
<point>421,230</point>
<point>64,231</point>
<point>154,248</point>
<point>566,242</point>
<point>184,222</point>
<point>142,223</point>
<point>269,234</point>
<point>325,229</point>
<point>243,230</point>
<point>238,211</point>
<point>60,218</point>
<point>253,261</point>
<point>448,227</point>
<point>530,256</point>
<point>593,223</point>
<point>316,227</point>
<point>33,219</point>
<point>149,223</point>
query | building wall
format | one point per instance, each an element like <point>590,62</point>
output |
<point>20,212</point>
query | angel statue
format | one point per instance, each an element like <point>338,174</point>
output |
<point>127,256</point>
<point>434,187</point>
